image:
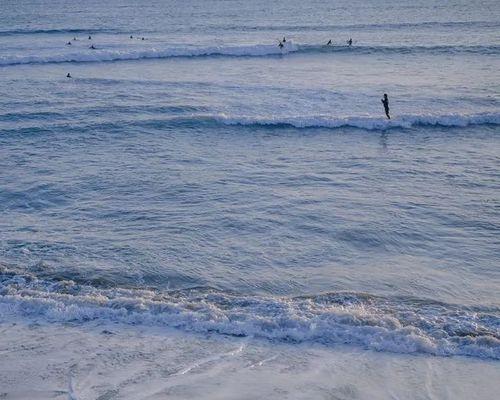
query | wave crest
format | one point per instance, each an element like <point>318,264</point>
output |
<point>105,54</point>
<point>75,31</point>
<point>367,123</point>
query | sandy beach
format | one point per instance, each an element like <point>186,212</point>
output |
<point>113,361</point>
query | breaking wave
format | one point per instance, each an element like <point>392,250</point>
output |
<point>113,54</point>
<point>367,123</point>
<point>104,54</point>
<point>399,325</point>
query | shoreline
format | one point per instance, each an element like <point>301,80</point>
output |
<point>97,360</point>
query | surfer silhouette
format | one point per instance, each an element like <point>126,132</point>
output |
<point>280,45</point>
<point>68,76</point>
<point>349,42</point>
<point>68,44</point>
<point>385,102</point>
<point>329,42</point>
<point>284,39</point>
<point>92,47</point>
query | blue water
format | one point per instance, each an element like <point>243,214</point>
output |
<point>205,179</point>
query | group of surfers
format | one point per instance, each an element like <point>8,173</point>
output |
<point>281,44</point>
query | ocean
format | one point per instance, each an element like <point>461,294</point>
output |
<point>196,183</point>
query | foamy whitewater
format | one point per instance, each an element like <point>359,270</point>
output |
<point>197,211</point>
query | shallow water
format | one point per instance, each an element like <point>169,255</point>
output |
<point>205,157</point>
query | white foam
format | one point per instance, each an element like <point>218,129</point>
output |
<point>359,320</point>
<point>130,363</point>
<point>369,123</point>
<point>117,51</point>
<point>103,53</point>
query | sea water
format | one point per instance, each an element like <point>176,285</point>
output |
<point>204,179</point>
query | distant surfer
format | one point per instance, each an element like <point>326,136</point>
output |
<point>280,44</point>
<point>349,42</point>
<point>329,42</point>
<point>142,39</point>
<point>131,37</point>
<point>68,44</point>
<point>90,37</point>
<point>69,75</point>
<point>385,102</point>
<point>92,47</point>
<point>74,39</point>
<point>284,39</point>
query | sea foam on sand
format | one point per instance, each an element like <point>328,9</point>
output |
<point>107,361</point>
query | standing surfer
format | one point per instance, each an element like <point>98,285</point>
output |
<point>385,102</point>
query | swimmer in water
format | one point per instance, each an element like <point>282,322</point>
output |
<point>284,39</point>
<point>280,45</point>
<point>385,102</point>
<point>92,47</point>
<point>329,42</point>
<point>68,44</point>
<point>131,37</point>
<point>69,75</point>
<point>349,42</point>
<point>90,37</point>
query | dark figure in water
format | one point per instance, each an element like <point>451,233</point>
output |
<point>68,44</point>
<point>142,39</point>
<point>284,39</point>
<point>92,47</point>
<point>329,42</point>
<point>385,102</point>
<point>90,37</point>
<point>68,76</point>
<point>349,42</point>
<point>75,38</point>
<point>280,45</point>
<point>131,37</point>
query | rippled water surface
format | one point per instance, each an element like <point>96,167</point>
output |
<point>206,179</point>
